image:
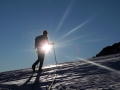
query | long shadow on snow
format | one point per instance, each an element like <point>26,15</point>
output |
<point>37,84</point>
<point>68,72</point>
<point>16,75</point>
<point>86,69</point>
<point>71,72</point>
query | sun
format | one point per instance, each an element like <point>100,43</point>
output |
<point>46,47</point>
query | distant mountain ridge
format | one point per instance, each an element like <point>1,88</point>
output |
<point>109,50</point>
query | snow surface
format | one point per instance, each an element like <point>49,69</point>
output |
<point>101,73</point>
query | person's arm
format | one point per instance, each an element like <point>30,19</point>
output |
<point>35,46</point>
<point>50,43</point>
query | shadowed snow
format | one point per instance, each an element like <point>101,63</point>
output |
<point>78,75</point>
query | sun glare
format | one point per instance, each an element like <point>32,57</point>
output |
<point>46,47</point>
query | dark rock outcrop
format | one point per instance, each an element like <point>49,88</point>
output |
<point>114,49</point>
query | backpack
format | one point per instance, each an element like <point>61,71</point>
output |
<point>40,40</point>
<point>37,41</point>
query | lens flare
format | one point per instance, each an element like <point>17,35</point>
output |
<point>74,38</point>
<point>63,18</point>
<point>74,29</point>
<point>99,65</point>
<point>46,47</point>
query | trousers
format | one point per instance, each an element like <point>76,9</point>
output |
<point>41,55</point>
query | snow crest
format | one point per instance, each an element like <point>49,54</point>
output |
<point>94,74</point>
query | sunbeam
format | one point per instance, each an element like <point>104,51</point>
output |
<point>64,16</point>
<point>105,67</point>
<point>62,45</point>
<point>95,40</point>
<point>26,50</point>
<point>74,39</point>
<point>75,29</point>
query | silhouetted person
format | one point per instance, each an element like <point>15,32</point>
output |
<point>40,41</point>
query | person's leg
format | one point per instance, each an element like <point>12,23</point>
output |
<point>33,66</point>
<point>41,59</point>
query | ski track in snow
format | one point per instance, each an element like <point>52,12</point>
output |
<point>78,75</point>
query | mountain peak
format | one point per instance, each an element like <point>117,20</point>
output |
<point>109,50</point>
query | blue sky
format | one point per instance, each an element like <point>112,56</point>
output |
<point>79,28</point>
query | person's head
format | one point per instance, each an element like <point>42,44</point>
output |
<point>45,32</point>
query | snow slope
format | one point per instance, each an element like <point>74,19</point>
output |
<point>101,73</point>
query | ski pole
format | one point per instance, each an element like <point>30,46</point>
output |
<point>55,70</point>
<point>55,54</point>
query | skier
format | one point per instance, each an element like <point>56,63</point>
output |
<point>39,42</point>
